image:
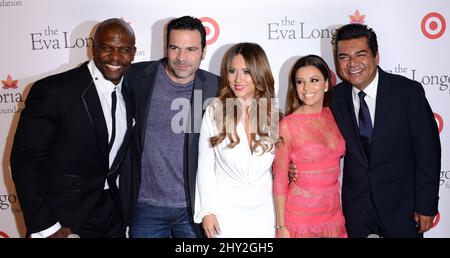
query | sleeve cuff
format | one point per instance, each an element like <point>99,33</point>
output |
<point>47,232</point>
<point>199,216</point>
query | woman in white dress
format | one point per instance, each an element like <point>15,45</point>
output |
<point>236,149</point>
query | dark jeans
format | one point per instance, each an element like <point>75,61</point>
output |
<point>161,222</point>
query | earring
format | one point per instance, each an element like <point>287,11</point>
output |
<point>326,90</point>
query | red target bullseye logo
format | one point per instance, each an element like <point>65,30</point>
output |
<point>439,121</point>
<point>212,29</point>
<point>433,25</point>
<point>3,235</point>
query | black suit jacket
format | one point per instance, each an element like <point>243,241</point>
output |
<point>59,159</point>
<point>141,78</point>
<point>402,172</point>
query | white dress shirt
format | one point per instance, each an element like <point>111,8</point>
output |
<point>370,98</point>
<point>104,89</point>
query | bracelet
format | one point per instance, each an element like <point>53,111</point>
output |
<point>280,227</point>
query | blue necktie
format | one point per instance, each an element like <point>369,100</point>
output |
<point>365,123</point>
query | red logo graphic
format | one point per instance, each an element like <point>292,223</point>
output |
<point>333,78</point>
<point>212,29</point>
<point>3,235</point>
<point>433,25</point>
<point>356,17</point>
<point>439,121</point>
<point>436,220</point>
<point>9,83</point>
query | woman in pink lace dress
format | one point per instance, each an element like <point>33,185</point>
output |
<point>311,205</point>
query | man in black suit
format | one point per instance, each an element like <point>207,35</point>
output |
<point>168,96</point>
<point>391,170</point>
<point>71,139</point>
<point>393,153</point>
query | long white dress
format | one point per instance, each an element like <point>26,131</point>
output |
<point>234,185</point>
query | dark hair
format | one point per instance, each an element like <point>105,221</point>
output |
<point>354,31</point>
<point>187,23</point>
<point>113,23</point>
<point>293,101</point>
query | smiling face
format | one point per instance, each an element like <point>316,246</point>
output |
<point>311,86</point>
<point>184,54</point>
<point>240,79</point>
<point>113,52</point>
<point>357,65</point>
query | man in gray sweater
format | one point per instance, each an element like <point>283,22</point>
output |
<point>164,152</point>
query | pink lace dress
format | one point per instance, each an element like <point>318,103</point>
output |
<point>313,203</point>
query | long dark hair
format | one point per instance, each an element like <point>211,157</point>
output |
<point>293,101</point>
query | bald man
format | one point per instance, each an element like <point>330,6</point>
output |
<point>70,141</point>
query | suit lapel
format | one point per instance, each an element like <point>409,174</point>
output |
<point>94,110</point>
<point>197,99</point>
<point>127,136</point>
<point>382,109</point>
<point>145,92</point>
<point>349,126</point>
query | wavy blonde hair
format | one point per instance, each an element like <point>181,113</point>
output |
<point>262,106</point>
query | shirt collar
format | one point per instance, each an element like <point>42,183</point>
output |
<point>103,85</point>
<point>371,89</point>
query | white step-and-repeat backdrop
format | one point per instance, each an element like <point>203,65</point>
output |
<point>43,37</point>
